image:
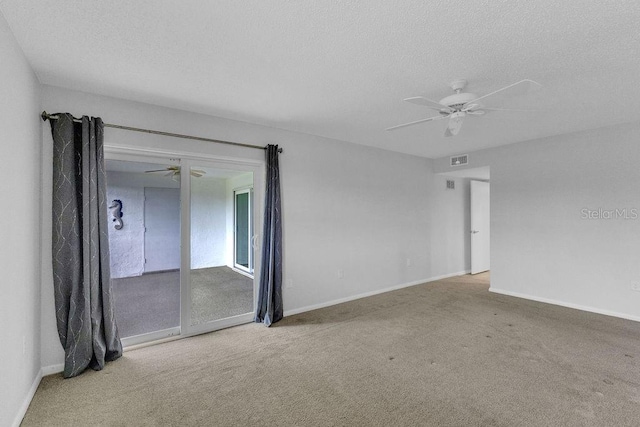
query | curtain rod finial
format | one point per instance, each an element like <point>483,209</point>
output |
<point>44,116</point>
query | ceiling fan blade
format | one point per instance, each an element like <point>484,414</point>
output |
<point>513,90</point>
<point>509,109</point>
<point>455,123</point>
<point>425,102</point>
<point>197,175</point>
<point>157,170</point>
<point>170,173</point>
<point>418,121</point>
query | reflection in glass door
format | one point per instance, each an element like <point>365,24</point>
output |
<point>144,246</point>
<point>216,289</point>
<point>243,248</point>
<point>172,235</point>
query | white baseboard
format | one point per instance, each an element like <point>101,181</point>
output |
<point>565,304</point>
<point>27,400</point>
<point>446,276</point>
<point>52,369</point>
<point>369,294</point>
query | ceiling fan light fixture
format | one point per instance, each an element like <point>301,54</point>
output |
<point>455,122</point>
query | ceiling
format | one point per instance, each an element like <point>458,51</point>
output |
<point>341,69</point>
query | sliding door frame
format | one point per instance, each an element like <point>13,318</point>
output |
<point>257,168</point>
<point>188,160</point>
<point>250,231</point>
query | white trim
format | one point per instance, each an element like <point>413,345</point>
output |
<point>150,343</point>
<point>216,325</point>
<point>52,369</point>
<point>446,276</point>
<point>244,273</point>
<point>566,304</point>
<point>154,336</point>
<point>27,400</point>
<point>370,293</point>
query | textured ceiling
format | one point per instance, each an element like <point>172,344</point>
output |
<point>341,68</point>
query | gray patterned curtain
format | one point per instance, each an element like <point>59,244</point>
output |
<point>269,308</point>
<point>81,277</point>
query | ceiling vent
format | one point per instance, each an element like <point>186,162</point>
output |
<point>451,184</point>
<point>460,160</point>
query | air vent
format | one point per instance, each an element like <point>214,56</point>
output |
<point>460,160</point>
<point>451,184</point>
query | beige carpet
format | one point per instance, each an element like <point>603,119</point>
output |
<point>445,353</point>
<point>218,293</point>
<point>151,302</point>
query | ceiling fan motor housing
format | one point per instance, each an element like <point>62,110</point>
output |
<point>458,100</point>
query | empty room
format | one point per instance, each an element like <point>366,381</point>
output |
<point>330,213</point>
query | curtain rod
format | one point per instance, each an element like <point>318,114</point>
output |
<point>46,116</point>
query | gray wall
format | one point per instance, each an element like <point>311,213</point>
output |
<point>20,142</point>
<point>542,247</point>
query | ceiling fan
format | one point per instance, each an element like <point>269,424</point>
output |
<point>174,172</point>
<point>457,106</point>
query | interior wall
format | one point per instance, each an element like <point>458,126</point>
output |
<point>127,244</point>
<point>357,220</point>
<point>564,219</point>
<point>20,148</point>
<point>208,222</point>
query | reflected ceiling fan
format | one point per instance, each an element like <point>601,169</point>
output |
<point>457,106</point>
<point>174,172</point>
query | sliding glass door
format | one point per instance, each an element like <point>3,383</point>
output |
<point>194,252</point>
<point>144,243</point>
<point>220,288</point>
<point>243,238</point>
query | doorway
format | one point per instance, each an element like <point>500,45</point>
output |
<point>480,226</point>
<point>474,200</point>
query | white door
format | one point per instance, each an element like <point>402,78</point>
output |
<point>480,227</point>
<point>162,229</point>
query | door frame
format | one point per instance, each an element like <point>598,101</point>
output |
<point>484,264</point>
<point>187,160</point>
